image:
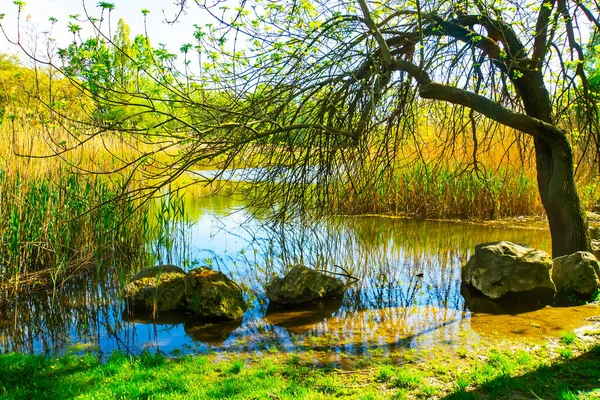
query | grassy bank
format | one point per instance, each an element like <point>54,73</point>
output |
<point>565,368</point>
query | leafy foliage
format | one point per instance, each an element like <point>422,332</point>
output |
<point>333,92</point>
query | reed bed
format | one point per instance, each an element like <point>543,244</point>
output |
<point>60,225</point>
<point>443,174</point>
<point>57,221</point>
<point>66,215</point>
<point>447,192</point>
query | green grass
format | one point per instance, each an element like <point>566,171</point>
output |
<point>152,376</point>
<point>487,373</point>
<point>408,378</point>
<point>567,338</point>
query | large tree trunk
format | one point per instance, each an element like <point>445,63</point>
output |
<point>556,183</point>
<point>554,155</point>
<point>555,173</point>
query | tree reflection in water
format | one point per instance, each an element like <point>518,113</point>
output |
<point>408,293</point>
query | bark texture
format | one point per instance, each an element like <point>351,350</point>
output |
<point>555,172</point>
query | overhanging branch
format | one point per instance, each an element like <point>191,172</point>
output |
<point>491,109</point>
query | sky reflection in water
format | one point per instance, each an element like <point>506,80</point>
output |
<point>391,307</point>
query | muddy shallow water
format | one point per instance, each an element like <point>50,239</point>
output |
<point>408,295</point>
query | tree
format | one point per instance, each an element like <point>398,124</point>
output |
<point>352,70</point>
<point>331,91</point>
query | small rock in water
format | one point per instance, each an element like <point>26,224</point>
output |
<point>576,274</point>
<point>302,284</point>
<point>509,271</point>
<point>158,288</point>
<point>211,294</point>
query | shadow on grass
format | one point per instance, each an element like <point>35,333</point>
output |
<point>566,379</point>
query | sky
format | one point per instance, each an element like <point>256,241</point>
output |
<point>36,15</point>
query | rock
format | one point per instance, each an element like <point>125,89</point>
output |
<point>159,288</point>
<point>157,269</point>
<point>301,285</point>
<point>213,295</point>
<point>512,272</point>
<point>596,248</point>
<point>576,274</point>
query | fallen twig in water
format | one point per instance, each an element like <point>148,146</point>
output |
<point>346,274</point>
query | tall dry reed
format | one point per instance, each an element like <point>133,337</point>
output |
<point>56,220</point>
<point>446,192</point>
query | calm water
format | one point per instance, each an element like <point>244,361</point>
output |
<point>390,308</point>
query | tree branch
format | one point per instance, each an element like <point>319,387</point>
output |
<point>481,104</point>
<point>589,15</point>
<point>386,55</point>
<point>541,31</point>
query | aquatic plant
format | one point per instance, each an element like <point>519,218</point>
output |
<point>166,229</point>
<point>58,225</point>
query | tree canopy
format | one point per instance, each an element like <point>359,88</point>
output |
<point>333,91</point>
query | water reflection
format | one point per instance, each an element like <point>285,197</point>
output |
<point>548,321</point>
<point>202,331</point>
<point>476,303</point>
<point>408,294</point>
<point>300,319</point>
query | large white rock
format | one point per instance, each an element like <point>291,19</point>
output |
<point>505,270</point>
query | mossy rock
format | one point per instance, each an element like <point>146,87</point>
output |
<point>596,248</point>
<point>157,270</point>
<point>159,288</point>
<point>212,295</point>
<point>302,284</point>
